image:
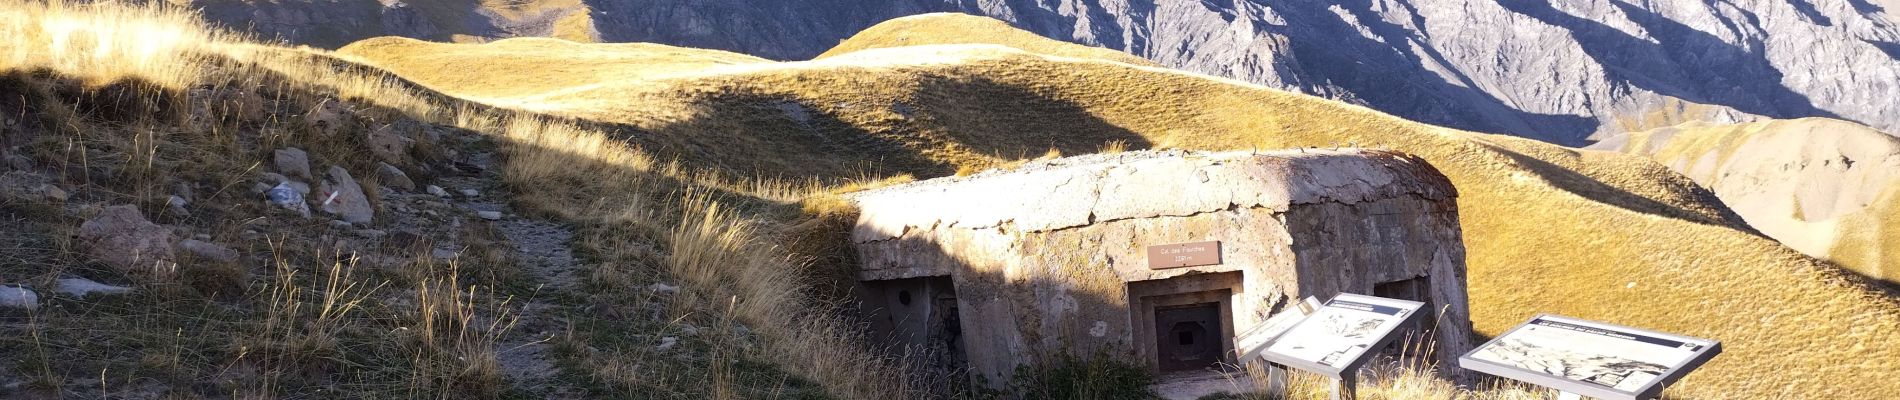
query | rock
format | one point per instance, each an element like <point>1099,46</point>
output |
<point>294,162</point>
<point>662,288</point>
<point>341,196</point>
<point>489,215</point>
<point>28,187</point>
<point>121,237</point>
<point>667,343</point>
<point>371,233</point>
<point>393,177</point>
<point>18,297</point>
<point>209,251</point>
<point>444,254</point>
<point>259,187</point>
<point>328,117</point>
<point>471,193</point>
<point>437,191</point>
<point>388,142</point>
<point>176,201</point>
<point>82,287</point>
<point>341,224</point>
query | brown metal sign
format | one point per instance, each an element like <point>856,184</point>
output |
<point>1184,255</point>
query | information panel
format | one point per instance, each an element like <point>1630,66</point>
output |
<point>1336,337</point>
<point>1590,358</point>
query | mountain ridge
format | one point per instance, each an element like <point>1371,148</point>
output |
<point>1564,73</point>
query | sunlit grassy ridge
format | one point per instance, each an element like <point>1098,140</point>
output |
<point>1584,233</point>
<point>953,28</point>
<point>1815,184</point>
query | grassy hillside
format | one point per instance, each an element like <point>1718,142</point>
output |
<point>601,273</point>
<point>1814,184</point>
<point>334,23</point>
<point>953,28</point>
<point>1585,233</point>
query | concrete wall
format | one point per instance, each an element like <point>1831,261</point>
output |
<point>1051,257</point>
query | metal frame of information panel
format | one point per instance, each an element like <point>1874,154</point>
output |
<point>1385,338</point>
<point>1710,348</point>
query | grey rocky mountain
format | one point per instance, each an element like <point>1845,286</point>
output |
<point>1561,72</point>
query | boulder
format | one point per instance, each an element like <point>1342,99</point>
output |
<point>341,196</point>
<point>294,162</point>
<point>22,186</point>
<point>209,251</point>
<point>121,237</point>
<point>328,117</point>
<point>18,297</point>
<point>393,177</point>
<point>82,287</point>
<point>388,142</point>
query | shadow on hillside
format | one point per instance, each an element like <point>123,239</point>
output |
<point>1716,71</point>
<point>756,134</point>
<point>1595,190</point>
<point>1010,122</point>
<point>1391,73</point>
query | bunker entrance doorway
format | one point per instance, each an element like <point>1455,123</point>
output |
<point>1188,337</point>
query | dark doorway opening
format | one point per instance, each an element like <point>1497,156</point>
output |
<point>1187,337</point>
<point>1415,289</point>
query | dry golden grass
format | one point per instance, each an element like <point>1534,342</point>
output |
<point>954,28</point>
<point>491,68</point>
<point>1549,229</point>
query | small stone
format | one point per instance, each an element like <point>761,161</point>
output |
<point>471,193</point>
<point>328,117</point>
<point>294,162</point>
<point>437,191</point>
<point>444,254</point>
<point>19,297</point>
<point>176,202</point>
<point>29,187</point>
<point>340,224</point>
<point>489,215</point>
<point>388,143</point>
<point>393,177</point>
<point>341,196</point>
<point>371,233</point>
<point>667,343</point>
<point>82,287</point>
<point>272,178</point>
<point>259,187</point>
<point>209,251</point>
<point>55,193</point>
<point>202,236</point>
<point>662,288</point>
<point>121,237</point>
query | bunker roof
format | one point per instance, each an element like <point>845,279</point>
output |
<point>1077,191</point>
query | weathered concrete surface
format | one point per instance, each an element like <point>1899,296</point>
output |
<point>1050,257</point>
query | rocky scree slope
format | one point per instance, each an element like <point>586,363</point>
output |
<point>1555,72</point>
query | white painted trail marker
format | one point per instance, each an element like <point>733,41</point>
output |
<point>1335,338</point>
<point>1588,358</point>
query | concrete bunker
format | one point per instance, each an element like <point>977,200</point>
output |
<point>1170,260</point>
